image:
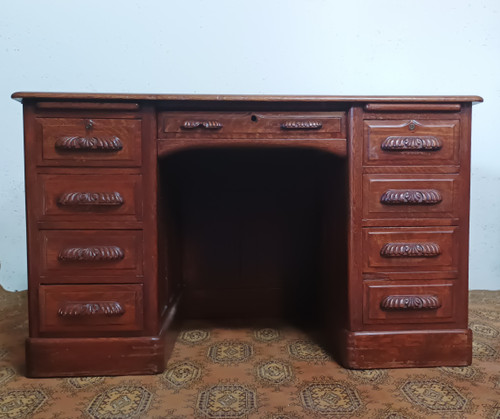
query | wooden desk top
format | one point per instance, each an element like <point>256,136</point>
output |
<point>245,98</point>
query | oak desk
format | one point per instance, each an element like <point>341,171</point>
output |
<point>348,215</point>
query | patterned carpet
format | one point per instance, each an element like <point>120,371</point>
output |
<point>271,372</point>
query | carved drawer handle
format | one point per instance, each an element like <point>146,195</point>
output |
<point>112,144</point>
<point>411,197</point>
<point>410,302</point>
<point>193,124</point>
<point>90,199</point>
<point>107,308</point>
<point>410,250</point>
<point>425,143</point>
<point>301,125</point>
<point>91,254</point>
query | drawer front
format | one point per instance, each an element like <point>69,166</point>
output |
<point>401,303</point>
<point>90,253</point>
<point>411,142</point>
<point>267,124</point>
<point>90,308</point>
<point>409,196</point>
<point>89,141</point>
<point>410,249</point>
<point>89,197</point>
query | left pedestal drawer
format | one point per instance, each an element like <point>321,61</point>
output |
<point>89,142</point>
<point>70,255</point>
<point>90,309</point>
<point>84,197</point>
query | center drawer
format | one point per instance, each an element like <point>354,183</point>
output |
<point>255,124</point>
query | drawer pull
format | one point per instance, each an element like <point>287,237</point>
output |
<point>410,250</point>
<point>107,308</point>
<point>410,302</point>
<point>301,125</point>
<point>112,144</point>
<point>90,199</point>
<point>427,143</point>
<point>193,124</point>
<point>91,254</point>
<point>411,197</point>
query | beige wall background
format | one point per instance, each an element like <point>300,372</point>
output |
<point>255,47</point>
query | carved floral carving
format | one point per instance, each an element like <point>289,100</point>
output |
<point>411,197</point>
<point>193,124</point>
<point>423,143</point>
<point>91,254</point>
<point>425,250</point>
<point>410,302</point>
<point>111,144</point>
<point>107,308</point>
<point>301,125</point>
<point>85,199</point>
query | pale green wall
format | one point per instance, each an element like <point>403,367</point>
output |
<point>258,46</point>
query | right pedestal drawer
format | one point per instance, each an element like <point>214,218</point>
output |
<point>398,302</point>
<point>410,249</point>
<point>423,142</point>
<point>410,196</point>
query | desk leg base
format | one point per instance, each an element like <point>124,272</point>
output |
<point>68,357</point>
<point>76,357</point>
<point>405,349</point>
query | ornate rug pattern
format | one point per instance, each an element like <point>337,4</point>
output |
<point>270,372</point>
